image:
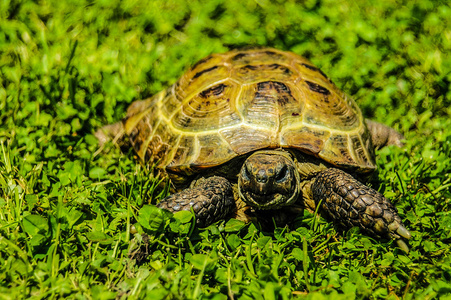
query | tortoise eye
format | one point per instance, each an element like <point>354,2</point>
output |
<point>216,90</point>
<point>282,174</point>
<point>245,173</point>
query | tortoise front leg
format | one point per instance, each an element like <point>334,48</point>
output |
<point>211,200</point>
<point>350,203</point>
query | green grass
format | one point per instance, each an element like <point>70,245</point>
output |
<point>69,67</point>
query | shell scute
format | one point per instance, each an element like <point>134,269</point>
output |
<point>234,103</point>
<point>263,72</point>
<point>212,147</point>
<point>305,138</point>
<point>258,56</point>
<point>205,78</point>
<point>336,149</point>
<point>158,145</point>
<point>209,109</point>
<point>184,153</point>
<point>243,139</point>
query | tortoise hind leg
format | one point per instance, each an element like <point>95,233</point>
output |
<point>350,203</point>
<point>110,132</point>
<point>383,135</point>
<point>211,200</point>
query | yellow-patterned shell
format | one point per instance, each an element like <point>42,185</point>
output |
<point>237,102</point>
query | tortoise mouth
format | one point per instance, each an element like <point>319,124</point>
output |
<point>264,201</point>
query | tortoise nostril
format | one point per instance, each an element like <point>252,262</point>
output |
<point>261,176</point>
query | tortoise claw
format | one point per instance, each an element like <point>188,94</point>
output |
<point>402,245</point>
<point>402,231</point>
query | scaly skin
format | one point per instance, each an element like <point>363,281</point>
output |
<point>349,203</point>
<point>211,200</point>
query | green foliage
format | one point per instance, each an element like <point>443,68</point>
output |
<point>72,214</point>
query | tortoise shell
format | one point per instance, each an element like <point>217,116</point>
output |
<point>237,102</point>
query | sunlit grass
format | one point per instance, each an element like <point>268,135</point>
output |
<point>67,209</point>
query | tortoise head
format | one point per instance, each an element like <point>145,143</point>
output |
<point>269,179</point>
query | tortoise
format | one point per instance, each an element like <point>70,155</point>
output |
<point>263,132</point>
